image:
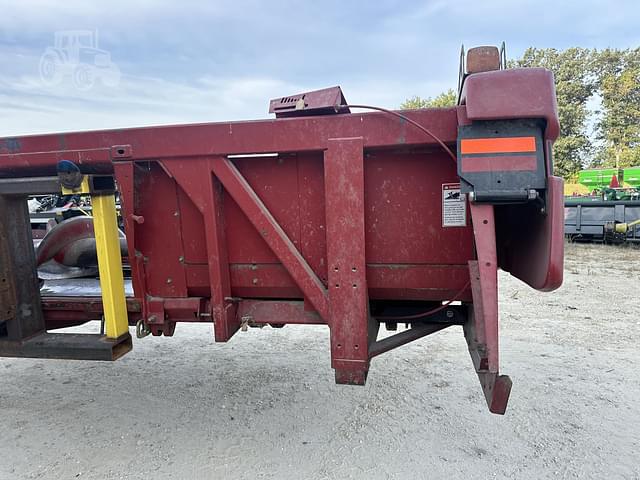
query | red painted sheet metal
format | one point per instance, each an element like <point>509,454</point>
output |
<point>272,233</point>
<point>403,210</point>
<point>502,163</point>
<point>513,93</point>
<point>409,254</point>
<point>386,281</point>
<point>539,258</point>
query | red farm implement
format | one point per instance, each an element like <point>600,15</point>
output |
<point>319,216</point>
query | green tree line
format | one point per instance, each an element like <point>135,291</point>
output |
<point>607,135</point>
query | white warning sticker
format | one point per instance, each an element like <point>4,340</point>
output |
<point>454,206</point>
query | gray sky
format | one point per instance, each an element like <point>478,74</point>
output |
<point>191,61</point>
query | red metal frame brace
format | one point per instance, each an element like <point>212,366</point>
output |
<point>350,322</point>
<point>481,328</point>
<point>272,233</point>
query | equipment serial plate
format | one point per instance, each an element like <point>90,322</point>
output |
<point>454,207</point>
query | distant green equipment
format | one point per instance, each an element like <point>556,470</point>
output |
<point>599,178</point>
<point>632,176</point>
<point>610,212</point>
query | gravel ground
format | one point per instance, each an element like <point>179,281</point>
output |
<point>265,405</point>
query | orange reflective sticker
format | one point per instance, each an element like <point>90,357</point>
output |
<point>498,145</point>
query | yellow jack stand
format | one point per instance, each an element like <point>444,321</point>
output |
<point>105,225</point>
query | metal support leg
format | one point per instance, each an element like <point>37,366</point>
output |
<point>352,328</point>
<point>110,266</point>
<point>481,329</point>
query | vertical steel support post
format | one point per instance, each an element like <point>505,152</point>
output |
<point>481,329</point>
<point>225,320</point>
<point>125,175</point>
<point>114,303</point>
<point>105,225</point>
<point>352,329</point>
<point>21,315</point>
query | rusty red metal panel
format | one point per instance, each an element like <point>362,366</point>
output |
<point>155,199</point>
<point>194,241</point>
<point>313,241</point>
<point>273,234</point>
<point>404,197</point>
<point>274,179</point>
<point>204,191</point>
<point>346,260</point>
<point>416,282</point>
<point>263,280</point>
<point>410,282</point>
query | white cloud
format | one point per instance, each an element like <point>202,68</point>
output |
<point>30,107</point>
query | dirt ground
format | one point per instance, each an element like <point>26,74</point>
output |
<point>264,406</point>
